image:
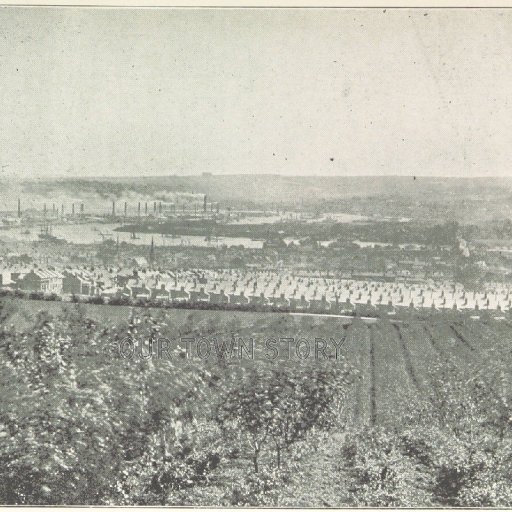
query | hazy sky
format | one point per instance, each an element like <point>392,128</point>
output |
<point>333,92</point>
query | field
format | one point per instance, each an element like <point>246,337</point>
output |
<point>392,358</point>
<point>406,412</point>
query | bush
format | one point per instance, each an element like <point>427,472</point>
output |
<point>97,299</point>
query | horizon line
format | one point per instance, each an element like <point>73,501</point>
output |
<point>217,175</point>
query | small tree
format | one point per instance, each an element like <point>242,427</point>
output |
<point>274,409</point>
<point>379,474</point>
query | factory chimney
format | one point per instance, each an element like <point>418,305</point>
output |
<point>113,208</point>
<point>146,210</point>
<point>204,204</point>
<point>125,208</point>
<point>138,211</point>
<point>154,207</point>
<point>82,208</point>
<point>19,207</point>
<point>73,209</point>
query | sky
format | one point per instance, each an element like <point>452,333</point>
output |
<point>140,92</point>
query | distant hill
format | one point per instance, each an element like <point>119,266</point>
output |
<point>275,188</point>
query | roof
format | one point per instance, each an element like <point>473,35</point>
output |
<point>44,273</point>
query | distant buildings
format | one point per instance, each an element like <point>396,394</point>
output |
<point>41,280</point>
<point>297,291</point>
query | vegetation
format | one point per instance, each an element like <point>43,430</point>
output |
<point>413,413</point>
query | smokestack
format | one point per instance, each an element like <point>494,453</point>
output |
<point>154,207</point>
<point>146,210</point>
<point>125,207</point>
<point>160,207</point>
<point>19,207</point>
<point>73,209</point>
<point>138,211</point>
<point>53,208</point>
<point>204,203</point>
<point>113,208</point>
<point>82,208</point>
<point>44,209</point>
<point>62,210</point>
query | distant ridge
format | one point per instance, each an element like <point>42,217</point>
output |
<point>277,188</point>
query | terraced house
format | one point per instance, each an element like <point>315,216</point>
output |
<point>42,280</point>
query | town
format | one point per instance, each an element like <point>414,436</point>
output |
<point>298,291</point>
<point>184,249</point>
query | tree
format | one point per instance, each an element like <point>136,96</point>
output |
<point>82,425</point>
<point>274,409</point>
<point>56,433</point>
<point>467,442</point>
<point>453,449</point>
<point>380,474</point>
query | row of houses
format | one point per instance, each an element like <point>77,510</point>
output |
<point>299,291</point>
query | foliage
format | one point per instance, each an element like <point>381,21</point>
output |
<point>380,473</point>
<point>74,421</point>
<point>455,448</point>
<point>81,424</point>
<point>274,409</point>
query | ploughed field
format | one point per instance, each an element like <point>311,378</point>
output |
<point>391,359</point>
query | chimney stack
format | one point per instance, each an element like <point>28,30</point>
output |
<point>113,208</point>
<point>19,207</point>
